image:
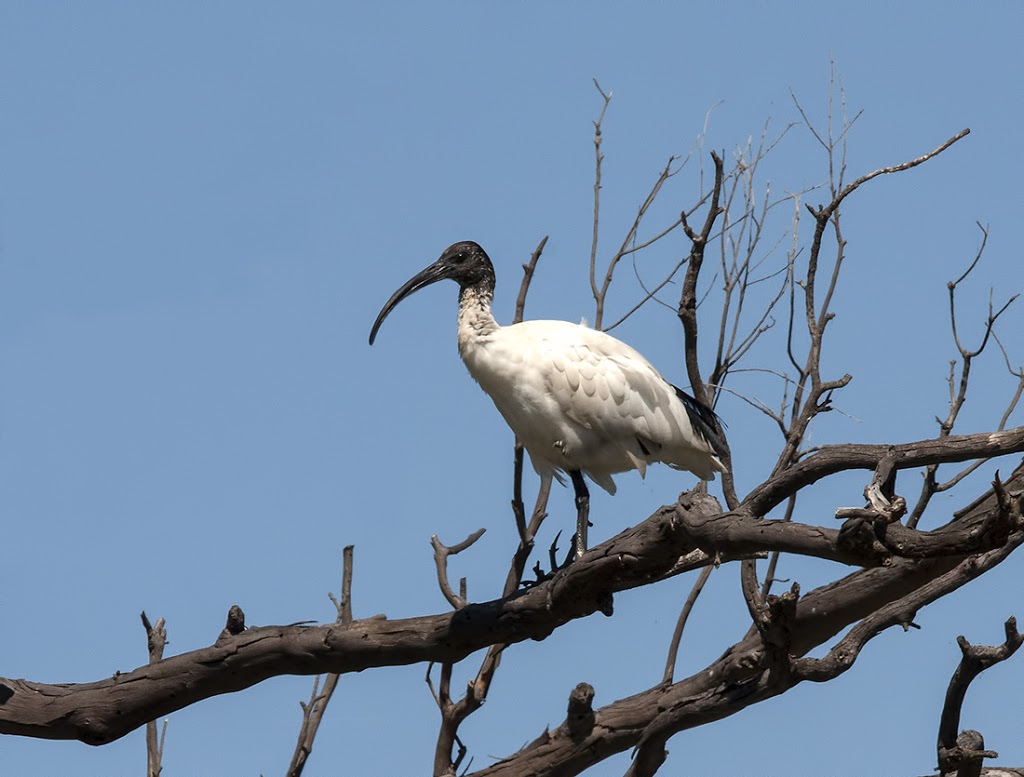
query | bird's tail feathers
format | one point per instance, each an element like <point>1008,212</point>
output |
<point>707,424</point>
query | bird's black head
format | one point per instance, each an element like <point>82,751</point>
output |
<point>466,263</point>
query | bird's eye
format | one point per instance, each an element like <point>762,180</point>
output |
<point>459,258</point>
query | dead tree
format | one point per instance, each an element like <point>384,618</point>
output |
<point>895,556</point>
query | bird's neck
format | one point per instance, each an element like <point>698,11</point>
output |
<point>476,323</point>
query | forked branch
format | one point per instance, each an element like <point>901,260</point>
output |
<point>958,387</point>
<point>966,751</point>
<point>314,709</point>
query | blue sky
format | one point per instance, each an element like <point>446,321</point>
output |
<point>202,209</point>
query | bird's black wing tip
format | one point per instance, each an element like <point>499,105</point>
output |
<point>706,421</point>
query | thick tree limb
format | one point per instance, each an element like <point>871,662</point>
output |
<point>739,678</point>
<point>102,711</point>
<point>831,459</point>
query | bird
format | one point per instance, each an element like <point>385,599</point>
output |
<point>580,401</point>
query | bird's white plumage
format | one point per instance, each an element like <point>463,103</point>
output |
<point>579,399</point>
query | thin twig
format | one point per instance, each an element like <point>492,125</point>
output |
<point>688,299</point>
<point>850,188</point>
<point>602,295</point>
<point>648,296</point>
<point>441,554</point>
<point>598,159</point>
<point>314,709</point>
<point>958,386</point>
<point>453,713</point>
<point>773,561</point>
<point>813,395</point>
<point>524,287</point>
<point>684,615</point>
<point>156,639</point>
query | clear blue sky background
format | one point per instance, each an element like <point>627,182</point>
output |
<point>202,209</point>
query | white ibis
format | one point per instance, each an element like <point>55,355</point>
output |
<point>579,400</point>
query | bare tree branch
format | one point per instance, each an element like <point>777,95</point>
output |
<point>598,159</point>
<point>105,710</point>
<point>313,710</point>
<point>877,597</point>
<point>625,249</point>
<point>688,301</point>
<point>830,459</point>
<point>958,389</point>
<point>965,752</point>
<point>849,189</point>
<point>156,639</point>
<point>528,270</point>
<point>684,615</point>
<point>441,554</point>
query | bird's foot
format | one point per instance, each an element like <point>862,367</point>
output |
<point>540,576</point>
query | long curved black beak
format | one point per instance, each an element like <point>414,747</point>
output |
<point>438,271</point>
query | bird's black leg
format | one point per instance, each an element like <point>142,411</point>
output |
<point>579,541</point>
